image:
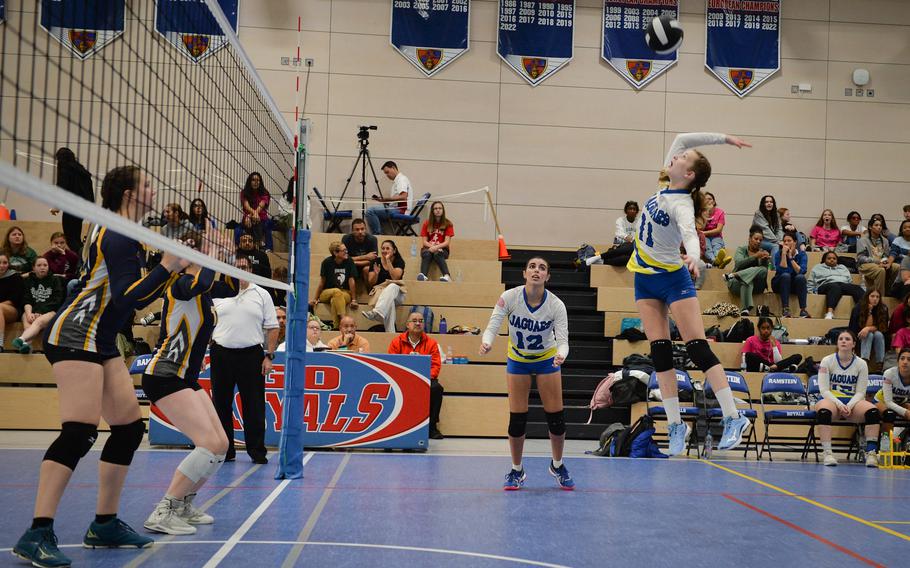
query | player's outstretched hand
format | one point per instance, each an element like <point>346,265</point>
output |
<point>692,265</point>
<point>485,348</point>
<point>738,142</point>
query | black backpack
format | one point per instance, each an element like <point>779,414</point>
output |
<point>740,331</point>
<point>628,390</point>
<point>621,443</point>
<point>638,362</point>
<point>831,336</point>
<point>606,438</point>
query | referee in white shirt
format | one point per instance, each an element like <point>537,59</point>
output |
<point>400,195</point>
<point>245,322</point>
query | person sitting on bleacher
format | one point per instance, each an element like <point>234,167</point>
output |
<point>900,247</point>
<point>790,266</point>
<point>901,337</point>
<point>10,296</point>
<point>60,259</point>
<point>361,249</point>
<point>259,261</point>
<point>768,220</point>
<point>750,270</point>
<point>387,289</point>
<point>897,316</point>
<point>199,216</point>
<point>436,236</point>
<point>901,286</point>
<point>833,280</point>
<point>336,282</point>
<point>761,352</point>
<point>851,232</point>
<point>349,340</point>
<point>715,220</point>
<point>893,400</point>
<point>176,223</point>
<point>414,340</point>
<point>869,321</point>
<point>43,293</point>
<point>872,259</point>
<point>625,224</point>
<point>825,235</point>
<point>788,227</point>
<point>15,247</point>
<point>885,231</point>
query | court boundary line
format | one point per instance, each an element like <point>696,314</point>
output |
<point>809,501</point>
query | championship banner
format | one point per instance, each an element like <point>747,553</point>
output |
<point>535,38</point>
<point>624,47</point>
<point>430,33</point>
<point>742,44</point>
<point>191,28</point>
<point>350,400</point>
<point>82,26</point>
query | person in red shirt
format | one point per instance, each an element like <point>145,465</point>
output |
<point>414,340</point>
<point>61,260</point>
<point>761,352</point>
<point>436,233</point>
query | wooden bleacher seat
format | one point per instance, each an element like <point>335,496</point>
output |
<point>730,354</point>
<point>461,249</point>
<point>799,328</point>
<point>463,345</point>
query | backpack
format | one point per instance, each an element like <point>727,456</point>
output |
<point>606,437</point>
<point>780,332</point>
<point>831,336</point>
<point>602,397</point>
<point>740,331</point>
<point>622,442</point>
<point>644,446</point>
<point>428,316</point>
<point>681,359</point>
<point>584,252</point>
<point>629,388</point>
<point>638,362</point>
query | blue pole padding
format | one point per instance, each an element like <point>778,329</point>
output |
<point>290,449</point>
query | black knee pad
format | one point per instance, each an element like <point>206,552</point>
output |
<point>700,353</point>
<point>823,417</point>
<point>889,416</point>
<point>74,441</point>
<point>662,355</point>
<point>556,422</point>
<point>123,442</point>
<point>518,422</point>
<point>873,416</point>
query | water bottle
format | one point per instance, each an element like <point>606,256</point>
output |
<point>450,358</point>
<point>414,246</point>
<point>742,366</point>
<point>709,444</point>
<point>443,326</point>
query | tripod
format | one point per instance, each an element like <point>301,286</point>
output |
<point>363,158</point>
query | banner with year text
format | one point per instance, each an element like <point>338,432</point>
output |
<point>430,33</point>
<point>535,38</point>
<point>742,43</point>
<point>624,46</point>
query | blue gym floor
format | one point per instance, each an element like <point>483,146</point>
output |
<point>393,509</point>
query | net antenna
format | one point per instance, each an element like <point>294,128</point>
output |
<point>163,85</point>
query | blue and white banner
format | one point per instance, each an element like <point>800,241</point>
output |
<point>535,38</point>
<point>624,46</point>
<point>430,33</point>
<point>190,27</point>
<point>83,27</point>
<point>742,44</point>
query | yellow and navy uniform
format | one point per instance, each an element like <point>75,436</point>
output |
<point>111,287</point>
<point>187,321</point>
<point>536,335</point>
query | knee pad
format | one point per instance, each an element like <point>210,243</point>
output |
<point>74,441</point>
<point>823,417</point>
<point>701,354</point>
<point>556,422</point>
<point>873,416</point>
<point>518,422</point>
<point>889,416</point>
<point>662,355</point>
<point>123,442</point>
<point>200,464</point>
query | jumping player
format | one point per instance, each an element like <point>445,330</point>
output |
<point>170,383</point>
<point>662,281</point>
<point>842,381</point>
<point>538,345</point>
<point>92,378</point>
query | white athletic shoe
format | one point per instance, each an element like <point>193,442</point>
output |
<point>191,515</point>
<point>872,459</point>
<point>421,276</point>
<point>829,315</point>
<point>164,519</point>
<point>828,458</point>
<point>445,278</point>
<point>370,315</point>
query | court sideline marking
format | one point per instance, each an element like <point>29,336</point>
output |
<point>809,501</point>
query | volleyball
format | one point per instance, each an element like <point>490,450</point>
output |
<point>664,34</point>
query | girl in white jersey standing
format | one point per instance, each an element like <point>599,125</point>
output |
<point>894,398</point>
<point>662,281</point>
<point>538,345</point>
<point>842,381</point>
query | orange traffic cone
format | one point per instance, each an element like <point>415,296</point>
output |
<point>4,214</point>
<point>503,251</point>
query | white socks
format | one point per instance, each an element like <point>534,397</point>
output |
<point>517,467</point>
<point>727,403</point>
<point>557,464</point>
<point>671,406</point>
<point>826,446</point>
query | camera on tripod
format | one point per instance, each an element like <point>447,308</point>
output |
<point>363,134</point>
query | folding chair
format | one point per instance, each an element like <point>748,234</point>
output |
<point>875,385</point>
<point>801,415</point>
<point>737,384</point>
<point>403,222</point>
<point>814,390</point>
<point>334,217</point>
<point>687,413</point>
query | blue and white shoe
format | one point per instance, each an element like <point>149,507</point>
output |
<point>562,476</point>
<point>733,432</point>
<point>679,436</point>
<point>514,480</point>
<point>39,546</point>
<point>114,534</point>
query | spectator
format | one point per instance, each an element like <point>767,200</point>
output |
<point>400,193</point>
<point>199,216</point>
<point>869,321</point>
<point>790,266</point>
<point>281,315</point>
<point>74,178</point>
<point>901,338</point>
<point>897,317</point>
<point>361,248</point>
<point>255,199</point>
<point>873,261</point>
<point>349,340</point>
<point>789,227</point>
<point>259,261</point>
<point>750,270</point>
<point>833,280</point>
<point>11,291</point>
<point>825,235</point>
<point>313,330</point>
<point>625,224</point>
<point>336,282</point>
<point>176,223</point>
<point>901,286</point>
<point>414,340</point>
<point>851,232</point>
<point>906,212</point>
<point>715,220</point>
<point>244,324</point>
<point>436,236</point>
<point>885,232</point>
<point>279,273</point>
<point>21,256</point>
<point>42,296</point>
<point>900,246</point>
<point>768,219</point>
<point>61,260</point>
<point>387,288</point>
<point>761,352</point>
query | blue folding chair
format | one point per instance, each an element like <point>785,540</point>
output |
<point>737,384</point>
<point>787,383</point>
<point>404,222</point>
<point>332,216</point>
<point>686,413</point>
<point>875,384</point>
